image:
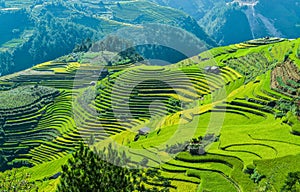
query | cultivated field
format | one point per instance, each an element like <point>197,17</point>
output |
<point>246,112</point>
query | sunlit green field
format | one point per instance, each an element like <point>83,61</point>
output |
<point>177,102</point>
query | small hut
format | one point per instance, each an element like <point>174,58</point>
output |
<point>207,69</point>
<point>212,69</point>
<point>144,131</point>
<point>215,70</point>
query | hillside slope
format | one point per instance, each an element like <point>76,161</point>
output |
<point>38,31</point>
<point>247,114</point>
<point>247,19</point>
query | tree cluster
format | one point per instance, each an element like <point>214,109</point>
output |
<point>52,36</point>
<point>292,182</point>
<point>88,170</point>
<point>55,37</point>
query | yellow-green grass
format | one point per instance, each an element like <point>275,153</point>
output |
<point>277,169</point>
<point>182,182</point>
<point>248,138</point>
<point>40,173</point>
<point>211,181</point>
<point>248,132</point>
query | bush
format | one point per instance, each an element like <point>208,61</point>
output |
<point>256,177</point>
<point>179,147</point>
<point>250,169</point>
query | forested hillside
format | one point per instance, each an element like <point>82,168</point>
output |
<point>47,30</point>
<point>233,21</point>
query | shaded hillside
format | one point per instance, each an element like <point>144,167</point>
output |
<point>50,30</point>
<point>284,16</point>
<point>246,19</point>
<point>228,25</point>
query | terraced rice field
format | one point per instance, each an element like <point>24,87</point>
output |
<point>286,79</point>
<point>238,104</point>
<point>247,136</point>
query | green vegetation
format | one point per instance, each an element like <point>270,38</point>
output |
<point>39,31</point>
<point>53,29</point>
<point>24,96</point>
<point>2,157</point>
<point>292,182</point>
<point>298,52</point>
<point>14,181</point>
<point>89,171</point>
<point>245,119</point>
<point>234,21</point>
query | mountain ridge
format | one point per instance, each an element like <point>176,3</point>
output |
<point>261,22</point>
<point>42,37</point>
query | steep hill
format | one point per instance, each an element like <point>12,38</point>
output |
<point>38,31</point>
<point>246,19</point>
<point>240,103</point>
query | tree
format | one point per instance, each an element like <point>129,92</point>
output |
<point>256,176</point>
<point>88,171</point>
<point>84,46</point>
<point>292,182</point>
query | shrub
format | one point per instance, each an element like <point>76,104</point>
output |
<point>250,169</point>
<point>256,177</point>
<point>175,103</point>
<point>179,147</point>
<point>197,149</point>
